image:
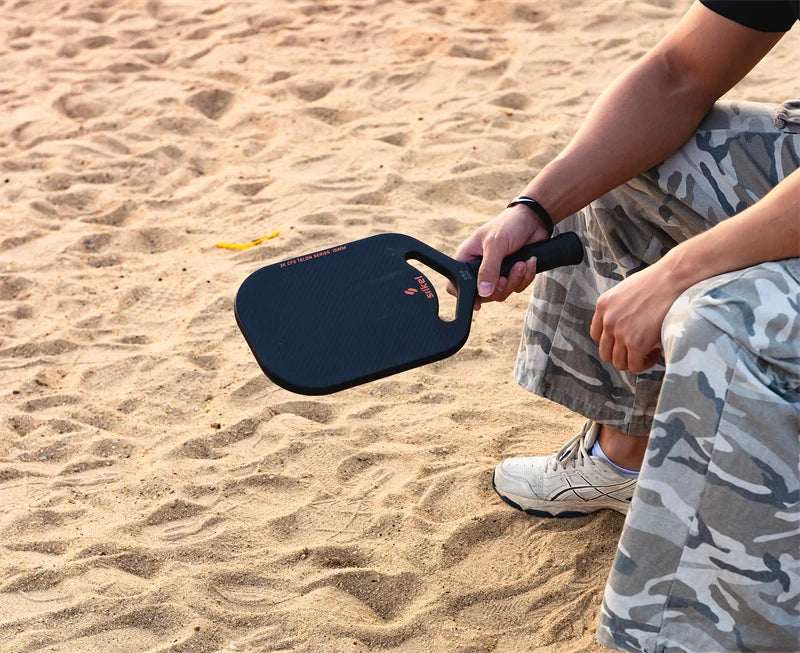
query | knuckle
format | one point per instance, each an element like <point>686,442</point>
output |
<point>609,319</point>
<point>636,343</point>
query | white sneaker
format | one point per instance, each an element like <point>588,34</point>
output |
<point>569,483</point>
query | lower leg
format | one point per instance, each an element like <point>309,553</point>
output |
<point>708,550</point>
<point>622,449</point>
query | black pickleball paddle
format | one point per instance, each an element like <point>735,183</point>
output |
<point>350,314</point>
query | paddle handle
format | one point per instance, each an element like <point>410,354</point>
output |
<point>564,249</point>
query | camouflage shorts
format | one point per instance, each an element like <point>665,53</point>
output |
<point>709,558</point>
<point>738,154</point>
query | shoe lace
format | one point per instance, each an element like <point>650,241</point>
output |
<point>575,451</point>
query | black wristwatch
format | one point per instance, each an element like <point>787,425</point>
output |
<point>537,208</point>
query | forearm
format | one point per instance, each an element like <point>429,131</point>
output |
<point>642,118</point>
<point>651,110</point>
<point>767,231</point>
<point>645,116</point>
<point>629,317</point>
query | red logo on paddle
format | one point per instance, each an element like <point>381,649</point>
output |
<point>423,287</point>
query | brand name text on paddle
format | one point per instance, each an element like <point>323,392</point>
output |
<point>310,257</point>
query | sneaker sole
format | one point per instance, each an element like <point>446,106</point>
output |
<point>553,512</point>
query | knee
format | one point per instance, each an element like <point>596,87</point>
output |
<point>686,322</point>
<point>750,308</point>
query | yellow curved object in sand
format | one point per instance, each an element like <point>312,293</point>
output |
<point>250,244</point>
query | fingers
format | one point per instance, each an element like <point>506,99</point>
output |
<point>605,346</point>
<point>497,295</point>
<point>596,328</point>
<point>493,241</point>
<point>646,361</point>
<point>489,272</point>
<point>619,355</point>
<point>519,278</point>
<point>614,351</point>
<point>638,361</point>
<point>627,322</point>
<point>471,248</point>
<point>530,272</point>
<point>622,356</point>
<point>611,349</point>
<point>468,250</point>
<point>653,357</point>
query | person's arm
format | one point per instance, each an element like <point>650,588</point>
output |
<point>642,118</point>
<point>628,319</point>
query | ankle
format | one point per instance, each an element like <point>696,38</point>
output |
<point>622,449</point>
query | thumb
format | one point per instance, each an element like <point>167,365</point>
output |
<point>489,272</point>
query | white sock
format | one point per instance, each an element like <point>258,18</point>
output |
<point>597,450</point>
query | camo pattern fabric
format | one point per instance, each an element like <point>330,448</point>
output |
<point>709,558</point>
<point>738,154</point>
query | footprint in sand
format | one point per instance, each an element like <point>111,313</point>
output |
<point>208,447</point>
<point>513,100</point>
<point>212,103</point>
<point>466,52</point>
<point>316,411</point>
<point>313,90</point>
<point>74,203</point>
<point>334,557</point>
<point>46,547</point>
<point>52,401</point>
<point>94,42</point>
<point>43,520</point>
<point>181,520</point>
<point>386,595</point>
<point>331,116</point>
<point>467,537</point>
<point>250,189</point>
<point>79,107</point>
<point>448,495</point>
<point>135,561</point>
<point>257,385</point>
<point>320,220</point>
<point>115,218</point>
<point>400,139</point>
<point>14,287</point>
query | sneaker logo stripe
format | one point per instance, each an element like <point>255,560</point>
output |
<point>600,492</point>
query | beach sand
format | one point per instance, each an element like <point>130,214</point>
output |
<point>157,492</point>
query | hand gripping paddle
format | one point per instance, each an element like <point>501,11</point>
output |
<point>342,316</point>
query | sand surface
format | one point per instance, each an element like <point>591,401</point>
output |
<point>157,492</point>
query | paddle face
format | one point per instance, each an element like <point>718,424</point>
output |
<point>339,317</point>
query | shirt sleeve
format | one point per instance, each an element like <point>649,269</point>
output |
<point>761,15</point>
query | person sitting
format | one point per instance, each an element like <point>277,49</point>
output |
<point>678,339</point>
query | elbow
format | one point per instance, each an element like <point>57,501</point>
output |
<point>680,82</point>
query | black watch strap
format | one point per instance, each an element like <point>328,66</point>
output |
<point>537,208</point>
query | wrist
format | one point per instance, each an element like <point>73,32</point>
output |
<point>554,188</point>
<point>683,268</point>
<point>537,209</point>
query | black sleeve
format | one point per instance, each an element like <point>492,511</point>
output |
<point>761,15</point>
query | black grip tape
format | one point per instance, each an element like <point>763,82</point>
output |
<point>564,249</point>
